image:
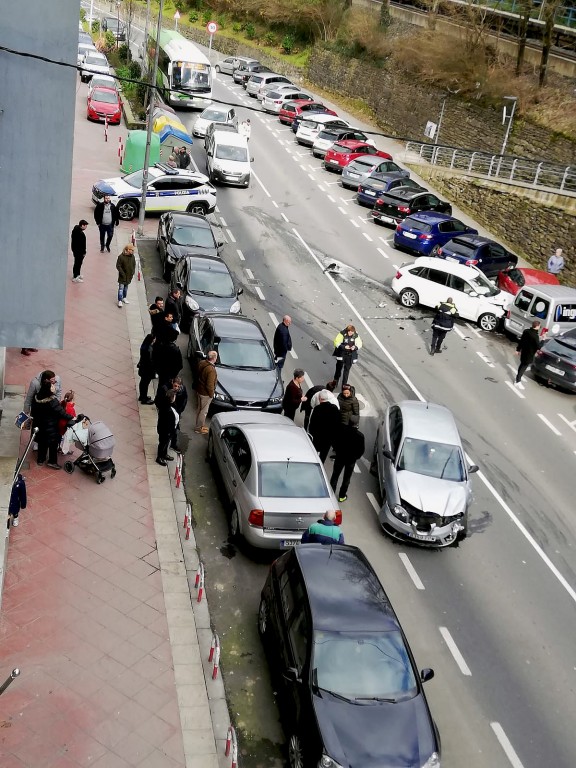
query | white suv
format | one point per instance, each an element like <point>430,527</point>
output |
<point>428,281</point>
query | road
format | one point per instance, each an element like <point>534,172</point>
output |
<point>494,617</point>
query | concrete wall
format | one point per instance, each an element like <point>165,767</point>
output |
<point>36,137</point>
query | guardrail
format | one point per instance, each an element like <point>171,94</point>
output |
<point>533,173</point>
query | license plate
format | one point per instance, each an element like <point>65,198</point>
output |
<point>368,192</point>
<point>421,537</point>
<point>231,178</point>
<point>353,175</point>
<point>409,235</point>
<point>288,543</point>
<point>389,219</point>
<point>557,371</point>
<point>451,258</point>
<point>334,161</point>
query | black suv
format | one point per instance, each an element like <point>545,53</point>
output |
<point>393,207</point>
<point>350,692</point>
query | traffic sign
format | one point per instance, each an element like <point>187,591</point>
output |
<point>177,15</point>
<point>212,27</point>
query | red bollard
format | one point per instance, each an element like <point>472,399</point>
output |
<point>232,746</point>
<point>216,658</point>
<point>178,470</point>
<point>199,582</point>
<point>105,129</point>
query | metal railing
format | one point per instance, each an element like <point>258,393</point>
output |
<point>534,173</point>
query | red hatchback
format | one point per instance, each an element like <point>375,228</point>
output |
<point>292,109</point>
<point>104,103</point>
<point>343,152</point>
<point>512,280</point>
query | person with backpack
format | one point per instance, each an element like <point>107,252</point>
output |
<point>442,323</point>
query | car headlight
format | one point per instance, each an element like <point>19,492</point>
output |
<point>221,396</point>
<point>399,512</point>
<point>275,400</point>
<point>453,518</point>
<point>191,304</point>
<point>327,762</point>
<point>235,308</point>
<point>433,761</point>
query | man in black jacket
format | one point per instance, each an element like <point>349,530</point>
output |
<point>173,305</point>
<point>78,245</point>
<point>106,216</point>
<point>349,447</point>
<point>443,322</point>
<point>166,357</point>
<point>166,427</point>
<point>282,341</point>
<point>527,347</point>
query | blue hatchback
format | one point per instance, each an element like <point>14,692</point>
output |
<point>423,232</point>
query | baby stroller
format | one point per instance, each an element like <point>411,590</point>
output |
<point>96,456</point>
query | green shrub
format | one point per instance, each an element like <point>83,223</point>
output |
<point>270,38</point>
<point>207,16</point>
<point>82,14</point>
<point>109,40</point>
<point>124,53</point>
<point>193,16</point>
<point>288,43</point>
<point>250,31</point>
<point>237,27</point>
<point>222,21</point>
<point>95,26</point>
<point>135,70</point>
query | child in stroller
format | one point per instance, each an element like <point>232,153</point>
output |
<point>96,456</point>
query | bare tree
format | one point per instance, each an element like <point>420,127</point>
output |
<point>526,7</point>
<point>129,12</point>
<point>549,14</point>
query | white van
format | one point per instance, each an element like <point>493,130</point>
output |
<point>228,159</point>
<point>309,128</point>
<point>553,305</point>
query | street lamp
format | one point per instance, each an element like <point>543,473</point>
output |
<point>449,92</point>
<point>118,22</point>
<point>510,118</point>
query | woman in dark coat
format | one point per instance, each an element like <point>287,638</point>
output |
<point>47,414</point>
<point>348,402</point>
<point>324,423</point>
<point>293,395</point>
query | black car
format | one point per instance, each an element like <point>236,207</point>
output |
<point>555,362</point>
<point>478,251</point>
<point>350,692</point>
<point>183,234</point>
<point>393,206</point>
<point>206,285</point>
<point>377,184</point>
<point>244,72</point>
<point>248,378</point>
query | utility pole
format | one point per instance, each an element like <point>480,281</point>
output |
<point>152,82</point>
<point>437,136</point>
<point>514,100</point>
<point>145,46</point>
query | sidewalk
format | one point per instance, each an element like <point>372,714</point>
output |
<point>97,611</point>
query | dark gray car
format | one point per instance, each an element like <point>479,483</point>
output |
<point>183,234</point>
<point>206,285</point>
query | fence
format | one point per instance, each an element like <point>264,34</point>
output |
<point>534,173</point>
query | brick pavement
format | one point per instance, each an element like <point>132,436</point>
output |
<point>96,606</point>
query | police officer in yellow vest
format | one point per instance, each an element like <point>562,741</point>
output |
<point>346,346</point>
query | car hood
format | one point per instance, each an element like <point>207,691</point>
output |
<point>213,303</point>
<point>376,734</point>
<point>249,386</point>
<point>176,252</point>
<point>115,187</point>
<point>430,494</point>
<point>104,106</point>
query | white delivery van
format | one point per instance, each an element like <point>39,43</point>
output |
<point>553,305</point>
<point>228,159</point>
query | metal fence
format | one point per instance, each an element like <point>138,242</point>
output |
<point>534,173</point>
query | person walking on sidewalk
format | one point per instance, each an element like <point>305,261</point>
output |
<point>527,347</point>
<point>78,246</point>
<point>556,262</point>
<point>324,531</point>
<point>126,266</point>
<point>205,388</point>
<point>47,413</point>
<point>349,445</point>
<point>282,341</point>
<point>442,323</point>
<point>146,369</point>
<point>293,396</point>
<point>166,427</point>
<point>106,216</point>
<point>346,346</point>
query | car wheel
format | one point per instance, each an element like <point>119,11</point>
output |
<point>210,447</point>
<point>409,298</point>
<point>200,208</point>
<point>488,322</point>
<point>434,251</point>
<point>127,210</point>
<point>234,524</point>
<point>263,618</point>
<point>167,273</point>
<point>295,753</point>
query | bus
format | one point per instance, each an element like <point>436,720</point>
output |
<point>184,72</point>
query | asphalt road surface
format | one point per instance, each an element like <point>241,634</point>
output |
<point>495,616</point>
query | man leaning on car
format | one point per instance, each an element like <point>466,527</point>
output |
<point>324,531</point>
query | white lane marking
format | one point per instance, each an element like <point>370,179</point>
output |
<point>455,651</point>
<point>301,154</point>
<point>474,330</point>
<point>411,571</point>
<point>549,424</point>
<point>311,177</point>
<point>259,292</point>
<point>294,158</point>
<point>365,461</point>
<point>321,188</point>
<point>571,424</point>
<point>459,332</point>
<point>342,211</point>
<point>293,355</point>
<point>223,222</point>
<point>367,410</point>
<point>357,469</point>
<point>363,219</point>
<point>344,200</point>
<point>231,236</point>
<point>273,318</point>
<point>288,150</point>
<point>240,255</point>
<point>308,381</point>
<point>281,141</point>
<point>481,476</point>
<point>275,204</point>
<point>515,390</point>
<point>485,359</point>
<point>301,165</point>
<point>381,252</point>
<point>372,500</point>
<point>285,217</point>
<point>383,240</point>
<point>217,209</point>
<point>506,746</point>
<point>331,183</point>
<point>262,185</point>
<point>249,273</point>
<point>395,266</point>
<point>312,168</point>
<point>367,236</point>
<point>355,223</point>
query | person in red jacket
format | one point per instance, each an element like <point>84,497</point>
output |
<point>294,396</point>
<point>69,406</point>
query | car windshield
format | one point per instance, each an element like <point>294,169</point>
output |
<point>363,665</point>
<point>191,75</point>
<point>310,124</point>
<point>439,460</point>
<point>197,236</point>
<point>215,115</point>
<point>419,226</point>
<point>245,353</point>
<point>96,60</point>
<point>362,164</point>
<point>135,179</point>
<point>105,97</point>
<point>209,283</point>
<point>292,480</point>
<point>483,286</point>
<point>237,154</point>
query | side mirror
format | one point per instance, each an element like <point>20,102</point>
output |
<point>473,468</point>
<point>251,159</point>
<point>220,243</point>
<point>217,339</point>
<point>473,294</point>
<point>388,454</point>
<point>426,674</point>
<point>291,674</point>
<point>240,291</point>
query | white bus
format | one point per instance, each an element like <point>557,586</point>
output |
<point>184,72</point>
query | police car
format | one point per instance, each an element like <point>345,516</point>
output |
<point>169,189</point>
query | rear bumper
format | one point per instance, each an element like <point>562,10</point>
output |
<point>567,381</point>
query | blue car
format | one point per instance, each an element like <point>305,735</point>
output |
<point>380,183</point>
<point>423,232</point>
<point>488,255</point>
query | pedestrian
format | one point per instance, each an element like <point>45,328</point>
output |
<point>166,427</point>
<point>78,245</point>
<point>126,266</point>
<point>47,412</point>
<point>146,369</point>
<point>282,341</point>
<point>35,385</point>
<point>346,346</point>
<point>165,326</point>
<point>349,446</point>
<point>245,129</point>
<point>166,356</point>
<point>173,304</point>
<point>180,402</point>
<point>293,395</point>
<point>528,345</point>
<point>442,323</point>
<point>556,262</point>
<point>324,422</point>
<point>156,311</point>
<point>349,405</point>
<point>106,216</point>
<point>324,531</point>
<point>205,388</point>
<point>306,407</point>
<point>171,162</point>
<point>69,406</point>
<point>184,159</point>
<point>18,499</point>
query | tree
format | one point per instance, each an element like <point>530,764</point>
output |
<point>385,17</point>
<point>525,9</point>
<point>129,11</point>
<point>549,14</point>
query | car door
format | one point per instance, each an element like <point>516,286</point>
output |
<point>180,275</point>
<point>157,195</point>
<point>493,257</point>
<point>445,232</point>
<point>394,426</point>
<point>434,288</point>
<point>237,462</point>
<point>464,297</point>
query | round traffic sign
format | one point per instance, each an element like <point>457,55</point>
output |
<point>212,27</point>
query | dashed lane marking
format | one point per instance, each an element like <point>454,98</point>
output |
<point>506,745</point>
<point>259,292</point>
<point>485,359</point>
<point>474,330</point>
<point>381,252</point>
<point>367,236</point>
<point>331,198</point>
<point>455,651</point>
<point>308,381</point>
<point>240,255</point>
<point>355,223</point>
<point>223,222</point>
<point>262,185</point>
<point>411,570</point>
<point>231,236</point>
<point>571,424</point>
<point>342,211</point>
<point>275,204</point>
<point>515,390</point>
<point>372,500</point>
<point>459,332</point>
<point>285,217</point>
<point>293,355</point>
<point>249,273</point>
<point>549,424</point>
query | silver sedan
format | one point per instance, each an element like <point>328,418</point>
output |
<point>358,170</point>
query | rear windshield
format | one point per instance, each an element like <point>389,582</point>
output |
<point>256,79</point>
<point>328,133</point>
<point>361,164</point>
<point>275,95</point>
<point>458,246</point>
<point>340,150</point>
<point>419,226</point>
<point>310,124</point>
<point>292,479</point>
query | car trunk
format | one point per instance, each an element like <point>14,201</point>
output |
<point>389,206</point>
<point>293,515</point>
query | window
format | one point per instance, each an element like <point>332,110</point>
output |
<point>298,631</point>
<point>420,271</point>
<point>395,427</point>
<point>291,479</point>
<point>458,284</point>
<point>237,444</point>
<point>496,251</point>
<point>163,185</point>
<point>446,226</point>
<point>435,276</point>
<point>540,308</point>
<point>523,300</point>
<point>439,460</point>
<point>206,335</point>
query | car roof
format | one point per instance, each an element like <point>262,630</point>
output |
<point>103,88</point>
<point>351,143</point>
<point>430,217</point>
<point>467,272</point>
<point>553,291</point>
<point>344,593</point>
<point>322,117</point>
<point>429,421</point>
<point>231,138</point>
<point>405,193</point>
<point>236,327</point>
<point>182,218</point>
<point>280,442</point>
<point>206,263</point>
